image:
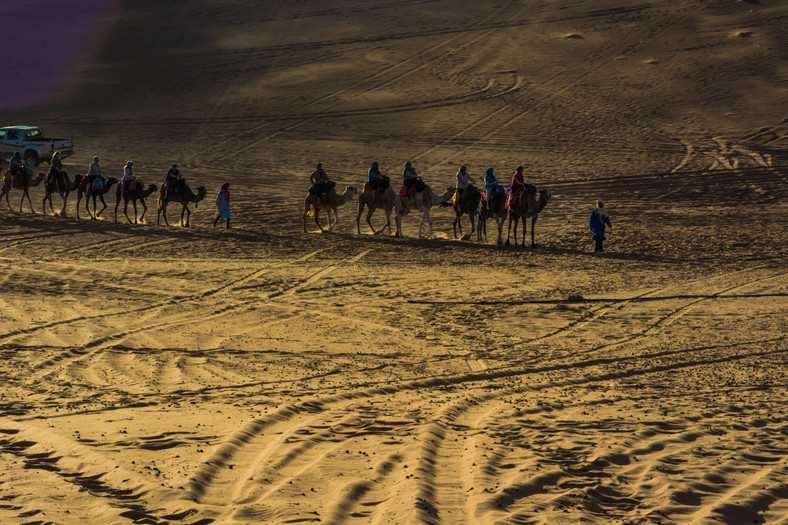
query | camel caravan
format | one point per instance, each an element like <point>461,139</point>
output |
<point>494,202</point>
<point>93,186</point>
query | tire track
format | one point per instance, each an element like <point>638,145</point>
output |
<point>226,453</point>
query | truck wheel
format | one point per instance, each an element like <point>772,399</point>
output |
<point>31,159</point>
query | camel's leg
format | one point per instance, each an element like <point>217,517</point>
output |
<point>134,203</point>
<point>4,192</point>
<point>317,220</point>
<point>336,217</point>
<point>44,204</point>
<point>144,210</point>
<point>163,213</point>
<point>369,221</point>
<point>457,223</point>
<point>429,222</point>
<point>358,215</point>
<point>63,196</point>
<point>387,211</point>
<point>307,206</point>
<point>499,223</point>
<point>533,224</point>
<point>509,231</point>
<point>126,210</point>
<point>187,213</point>
<point>87,205</point>
<point>103,203</point>
<point>22,201</point>
<point>27,194</point>
<point>525,230</point>
<point>117,204</point>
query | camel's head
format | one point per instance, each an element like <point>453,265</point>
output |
<point>202,191</point>
<point>351,190</point>
<point>545,194</point>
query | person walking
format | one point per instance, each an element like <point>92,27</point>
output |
<point>223,204</point>
<point>599,218</point>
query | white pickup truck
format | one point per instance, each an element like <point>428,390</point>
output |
<point>32,144</point>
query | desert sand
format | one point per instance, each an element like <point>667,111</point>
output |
<point>258,374</point>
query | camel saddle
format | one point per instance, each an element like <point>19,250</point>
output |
<point>132,185</point>
<point>383,183</point>
<point>83,184</point>
<point>16,180</point>
<point>417,185</point>
<point>50,181</point>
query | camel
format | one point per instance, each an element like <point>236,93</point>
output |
<point>61,185</point>
<point>133,195</point>
<point>384,199</point>
<point>496,211</point>
<point>527,206</point>
<point>184,195</point>
<point>421,201</point>
<point>469,207</point>
<point>93,193</point>
<point>20,183</point>
<point>329,203</point>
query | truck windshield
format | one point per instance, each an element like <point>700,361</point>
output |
<point>33,134</point>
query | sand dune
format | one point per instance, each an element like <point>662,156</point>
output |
<point>159,374</point>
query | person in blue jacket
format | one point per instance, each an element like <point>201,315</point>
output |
<point>599,218</point>
<point>374,176</point>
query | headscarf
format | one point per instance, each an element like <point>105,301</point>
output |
<point>489,171</point>
<point>225,186</point>
<point>600,208</point>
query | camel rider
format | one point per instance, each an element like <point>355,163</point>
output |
<point>172,181</point>
<point>321,184</point>
<point>410,179</point>
<point>490,185</point>
<point>55,167</point>
<point>128,176</point>
<point>374,176</point>
<point>518,183</point>
<point>15,165</point>
<point>93,171</point>
<point>464,181</point>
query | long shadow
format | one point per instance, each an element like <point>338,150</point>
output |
<point>580,300</point>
